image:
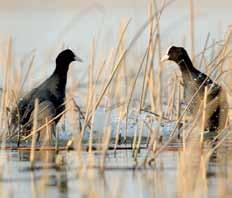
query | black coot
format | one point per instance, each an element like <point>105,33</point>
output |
<point>193,79</point>
<point>50,95</point>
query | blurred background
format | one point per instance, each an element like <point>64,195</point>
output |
<point>47,26</point>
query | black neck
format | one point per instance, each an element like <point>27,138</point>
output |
<point>186,67</point>
<point>61,69</point>
<point>60,73</point>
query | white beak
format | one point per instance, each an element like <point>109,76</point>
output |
<point>78,59</point>
<point>165,58</point>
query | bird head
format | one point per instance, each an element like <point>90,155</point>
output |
<point>66,57</point>
<point>176,54</point>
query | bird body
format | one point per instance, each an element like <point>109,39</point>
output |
<point>194,83</point>
<point>52,90</point>
<point>50,94</point>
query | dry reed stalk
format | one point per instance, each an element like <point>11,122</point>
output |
<point>178,110</point>
<point>204,115</point>
<point>99,73</point>
<point>118,131</point>
<point>18,77</point>
<point>43,126</point>
<point>153,145</point>
<point>90,96</point>
<point>133,87</point>
<point>106,69</point>
<point>5,92</point>
<point>221,152</point>
<point>172,134</point>
<point>193,126</point>
<point>148,75</point>
<point>221,55</point>
<point>115,92</point>
<point>134,139</point>
<point>172,99</point>
<point>144,84</point>
<point>169,97</point>
<point>75,125</point>
<point>47,134</point>
<point>47,140</point>
<point>202,180</point>
<point>184,134</point>
<point>105,145</point>
<point>121,58</point>
<point>157,135</point>
<point>90,73</point>
<point>33,133</point>
<point>89,110</point>
<point>123,28</point>
<point>117,87</point>
<point>151,85</point>
<point>213,49</point>
<point>160,63</point>
<point>90,143</point>
<point>203,53</point>
<point>191,171</point>
<point>122,32</point>
<point>222,136</point>
<point>80,138</point>
<point>151,53</point>
<point>57,134</point>
<point>121,45</point>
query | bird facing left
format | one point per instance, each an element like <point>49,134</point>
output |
<point>51,97</point>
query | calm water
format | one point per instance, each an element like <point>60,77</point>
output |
<point>119,179</point>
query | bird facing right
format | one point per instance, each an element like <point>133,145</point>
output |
<point>50,95</point>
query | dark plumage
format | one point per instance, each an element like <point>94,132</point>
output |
<point>50,94</point>
<point>216,113</point>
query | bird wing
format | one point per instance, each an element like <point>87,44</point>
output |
<point>22,105</point>
<point>25,105</point>
<point>46,110</point>
<point>213,87</point>
<point>27,112</point>
<point>29,102</point>
<point>202,78</point>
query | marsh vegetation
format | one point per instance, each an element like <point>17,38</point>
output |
<point>125,130</point>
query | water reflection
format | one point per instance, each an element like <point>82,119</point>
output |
<point>50,169</point>
<point>119,178</point>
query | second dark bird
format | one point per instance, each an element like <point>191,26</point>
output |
<point>196,81</point>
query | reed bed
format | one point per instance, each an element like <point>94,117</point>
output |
<point>137,96</point>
